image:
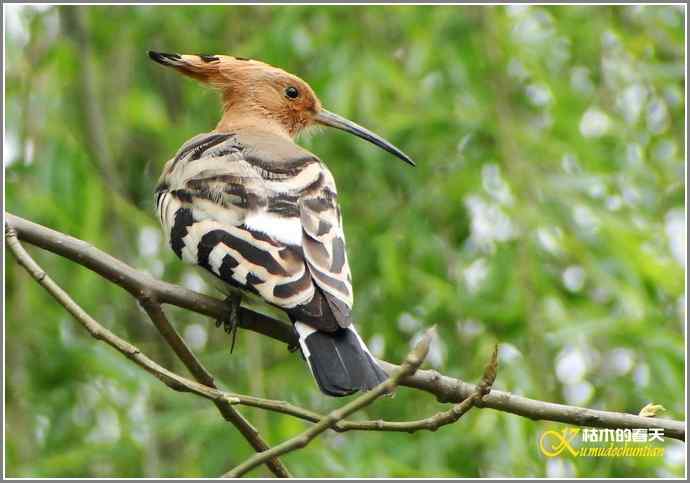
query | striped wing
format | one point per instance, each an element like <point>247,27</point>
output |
<point>239,212</point>
<point>323,246</point>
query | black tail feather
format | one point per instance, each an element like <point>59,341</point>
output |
<point>340,363</point>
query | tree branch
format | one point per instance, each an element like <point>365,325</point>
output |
<point>97,330</point>
<point>170,379</point>
<point>207,389</point>
<point>140,283</point>
<point>201,374</point>
<point>431,423</point>
<point>412,362</point>
<point>178,383</point>
<point>446,389</point>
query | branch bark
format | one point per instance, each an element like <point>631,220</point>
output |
<point>207,389</point>
<point>412,362</point>
<point>431,423</point>
<point>446,389</point>
<point>97,330</point>
<point>155,312</point>
<point>177,343</point>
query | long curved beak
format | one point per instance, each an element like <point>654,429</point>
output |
<point>333,120</point>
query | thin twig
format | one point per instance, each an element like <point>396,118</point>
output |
<point>409,366</point>
<point>169,378</point>
<point>206,388</point>
<point>431,423</point>
<point>97,330</point>
<point>138,283</point>
<point>446,389</point>
<point>201,374</point>
<point>459,410</point>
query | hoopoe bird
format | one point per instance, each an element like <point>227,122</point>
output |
<point>261,214</point>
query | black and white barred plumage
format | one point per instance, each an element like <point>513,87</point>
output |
<point>261,214</point>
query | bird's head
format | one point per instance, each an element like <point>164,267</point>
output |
<point>265,95</point>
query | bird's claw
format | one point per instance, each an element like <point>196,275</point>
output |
<point>293,346</point>
<point>232,321</point>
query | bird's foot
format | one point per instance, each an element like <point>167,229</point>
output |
<point>292,347</point>
<point>232,322</point>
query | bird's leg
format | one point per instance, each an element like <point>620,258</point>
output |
<point>293,347</point>
<point>232,321</point>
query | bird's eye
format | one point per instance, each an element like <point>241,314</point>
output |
<point>291,92</point>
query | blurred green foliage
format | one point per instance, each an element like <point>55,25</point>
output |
<point>546,213</point>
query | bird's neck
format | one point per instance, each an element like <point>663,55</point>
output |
<point>243,120</point>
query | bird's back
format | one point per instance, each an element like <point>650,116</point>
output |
<point>261,214</point>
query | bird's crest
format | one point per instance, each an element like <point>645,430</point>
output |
<point>259,96</point>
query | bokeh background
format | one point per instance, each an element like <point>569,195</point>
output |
<point>546,213</point>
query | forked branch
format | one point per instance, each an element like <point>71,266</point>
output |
<point>412,362</point>
<point>445,388</point>
<point>207,387</point>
